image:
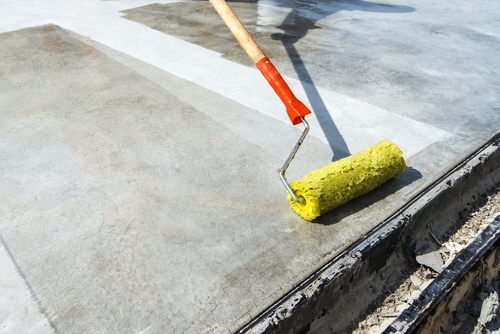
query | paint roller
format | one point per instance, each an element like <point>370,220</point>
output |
<point>336,183</point>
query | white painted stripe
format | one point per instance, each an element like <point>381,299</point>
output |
<point>360,123</point>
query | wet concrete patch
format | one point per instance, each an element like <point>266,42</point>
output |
<point>285,29</point>
<point>292,33</point>
<point>382,54</point>
<point>198,23</point>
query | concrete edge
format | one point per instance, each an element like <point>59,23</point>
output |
<point>321,294</point>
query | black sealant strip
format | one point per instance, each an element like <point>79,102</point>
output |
<point>412,316</point>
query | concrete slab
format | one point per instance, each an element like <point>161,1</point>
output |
<point>123,175</point>
<point>140,173</point>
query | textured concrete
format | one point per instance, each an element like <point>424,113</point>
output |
<point>139,167</point>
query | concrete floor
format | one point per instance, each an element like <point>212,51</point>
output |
<point>139,148</point>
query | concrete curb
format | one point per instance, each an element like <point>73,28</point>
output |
<point>331,298</point>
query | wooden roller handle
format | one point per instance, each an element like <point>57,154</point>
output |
<point>295,109</point>
<point>239,31</point>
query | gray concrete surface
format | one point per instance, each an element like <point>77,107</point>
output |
<point>139,165</point>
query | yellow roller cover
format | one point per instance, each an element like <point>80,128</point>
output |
<point>339,182</point>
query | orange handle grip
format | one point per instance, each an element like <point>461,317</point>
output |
<point>294,107</point>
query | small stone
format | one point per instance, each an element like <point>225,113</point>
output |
<point>428,274</point>
<point>427,254</point>
<point>415,281</point>
<point>372,320</point>
<point>415,294</point>
<point>389,314</point>
<point>390,299</point>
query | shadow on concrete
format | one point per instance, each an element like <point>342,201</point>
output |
<point>296,26</point>
<point>409,176</point>
<point>325,120</point>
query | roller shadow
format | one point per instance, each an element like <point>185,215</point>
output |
<point>325,120</point>
<point>401,181</point>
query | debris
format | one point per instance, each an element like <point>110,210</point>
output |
<point>372,320</point>
<point>489,309</point>
<point>454,249</point>
<point>416,281</point>
<point>427,254</point>
<point>387,314</point>
<point>427,274</point>
<point>483,310</point>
